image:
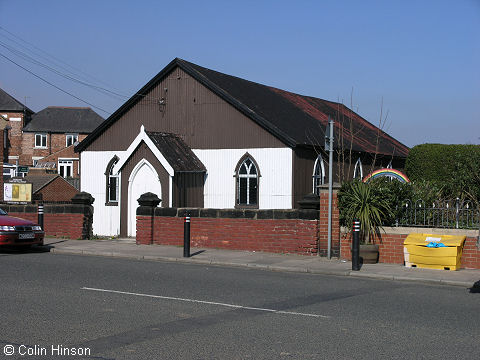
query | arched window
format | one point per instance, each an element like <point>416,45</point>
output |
<point>358,171</point>
<point>389,166</point>
<point>318,175</point>
<point>112,183</point>
<point>247,175</point>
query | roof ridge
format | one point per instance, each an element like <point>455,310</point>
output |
<point>68,107</point>
<point>256,83</point>
<point>15,100</point>
<point>227,96</point>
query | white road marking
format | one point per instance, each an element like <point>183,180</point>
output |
<point>207,302</point>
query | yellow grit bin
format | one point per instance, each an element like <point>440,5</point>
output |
<point>418,254</point>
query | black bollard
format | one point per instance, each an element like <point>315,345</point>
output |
<point>186,237</point>
<point>40,215</point>
<point>356,245</point>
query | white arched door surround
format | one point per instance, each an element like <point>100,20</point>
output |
<point>144,178</point>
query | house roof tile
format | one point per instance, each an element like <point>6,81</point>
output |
<point>64,119</point>
<point>9,103</point>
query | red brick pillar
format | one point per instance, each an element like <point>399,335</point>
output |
<point>323,223</point>
<point>82,204</point>
<point>2,157</point>
<point>146,218</point>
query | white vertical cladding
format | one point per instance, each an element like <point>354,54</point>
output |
<point>106,219</point>
<point>275,187</point>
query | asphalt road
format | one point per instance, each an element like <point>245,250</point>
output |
<point>128,309</point>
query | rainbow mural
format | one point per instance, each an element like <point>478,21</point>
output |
<point>391,173</point>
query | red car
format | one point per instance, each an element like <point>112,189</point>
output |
<point>15,231</point>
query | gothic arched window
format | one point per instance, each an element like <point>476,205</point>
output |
<point>358,171</point>
<point>112,183</point>
<point>247,175</point>
<point>318,175</point>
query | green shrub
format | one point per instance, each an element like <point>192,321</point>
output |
<point>394,193</point>
<point>357,200</point>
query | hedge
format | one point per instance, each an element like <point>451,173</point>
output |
<point>454,168</point>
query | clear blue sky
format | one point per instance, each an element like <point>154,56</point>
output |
<point>421,57</point>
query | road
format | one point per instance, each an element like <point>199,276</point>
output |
<point>111,308</point>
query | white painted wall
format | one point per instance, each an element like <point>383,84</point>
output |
<point>106,219</point>
<point>275,186</point>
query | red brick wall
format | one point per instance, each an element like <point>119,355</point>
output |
<point>391,248</point>
<point>270,235</point>
<point>58,225</point>
<point>144,234</point>
<point>15,134</point>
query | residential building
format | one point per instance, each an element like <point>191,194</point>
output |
<point>51,134</point>
<point>17,115</point>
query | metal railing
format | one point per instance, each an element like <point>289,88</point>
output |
<point>453,214</point>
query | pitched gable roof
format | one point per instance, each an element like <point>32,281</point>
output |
<point>177,153</point>
<point>294,119</point>
<point>9,103</point>
<point>41,180</point>
<point>64,119</point>
<point>169,149</point>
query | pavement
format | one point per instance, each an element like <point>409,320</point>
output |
<point>126,248</point>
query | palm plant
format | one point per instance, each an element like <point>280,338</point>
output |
<point>358,200</point>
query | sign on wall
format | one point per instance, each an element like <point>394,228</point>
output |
<point>17,192</point>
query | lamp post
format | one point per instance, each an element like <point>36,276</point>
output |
<point>329,147</point>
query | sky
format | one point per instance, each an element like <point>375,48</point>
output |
<point>411,66</point>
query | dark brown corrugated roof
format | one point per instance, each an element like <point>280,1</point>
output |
<point>9,103</point>
<point>304,118</point>
<point>294,119</point>
<point>180,157</point>
<point>58,119</point>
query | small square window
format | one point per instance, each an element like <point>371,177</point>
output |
<point>41,140</point>
<point>71,139</point>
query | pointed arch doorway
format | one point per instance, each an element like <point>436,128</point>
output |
<point>144,178</point>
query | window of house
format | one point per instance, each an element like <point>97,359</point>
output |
<point>112,183</point>
<point>65,168</point>
<point>71,139</point>
<point>247,175</point>
<point>41,140</point>
<point>318,175</point>
<point>358,171</point>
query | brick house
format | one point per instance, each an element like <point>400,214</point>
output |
<point>46,136</point>
<point>50,187</point>
<point>51,134</point>
<point>200,138</point>
<point>17,116</point>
